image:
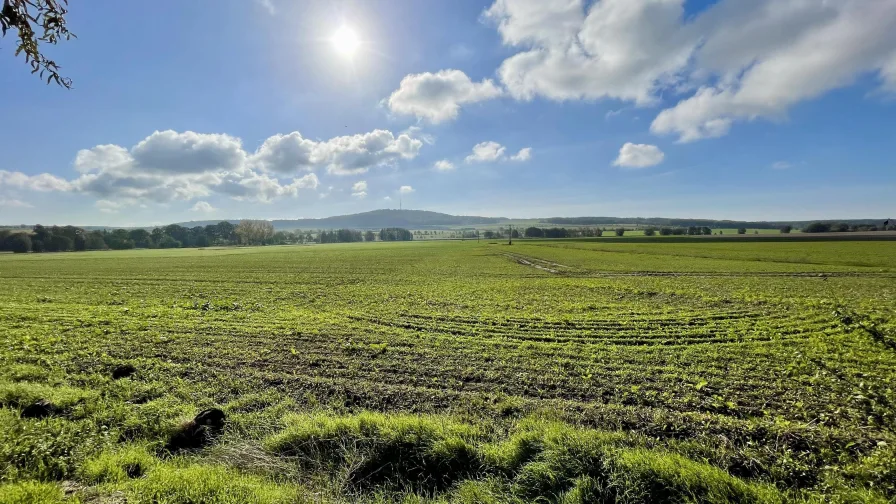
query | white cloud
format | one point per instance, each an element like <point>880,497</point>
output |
<point>286,154</point>
<point>619,49</point>
<point>633,155</point>
<point>188,152</point>
<point>14,203</point>
<point>357,153</point>
<point>438,96</point>
<point>168,166</point>
<point>524,154</point>
<point>405,189</point>
<point>736,60</point>
<point>203,207</point>
<point>43,182</point>
<point>387,198</point>
<point>103,158</point>
<point>613,113</point>
<point>443,165</point>
<point>782,165</point>
<point>359,189</point>
<point>340,155</point>
<point>484,152</point>
<point>538,22</point>
<point>417,132</point>
<point>264,188</point>
<point>801,51</point>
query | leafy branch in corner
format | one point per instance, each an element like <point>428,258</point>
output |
<point>47,16</point>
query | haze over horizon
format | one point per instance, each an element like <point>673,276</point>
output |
<point>716,109</point>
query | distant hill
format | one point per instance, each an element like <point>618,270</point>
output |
<point>376,219</point>
<point>423,219</point>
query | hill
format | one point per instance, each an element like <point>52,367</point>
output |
<point>422,219</point>
<point>375,219</point>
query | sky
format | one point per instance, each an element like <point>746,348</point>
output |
<point>276,109</point>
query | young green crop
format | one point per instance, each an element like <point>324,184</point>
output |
<point>758,370</point>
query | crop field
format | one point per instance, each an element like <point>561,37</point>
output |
<point>565,371</point>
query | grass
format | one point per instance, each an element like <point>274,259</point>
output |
<point>557,371</point>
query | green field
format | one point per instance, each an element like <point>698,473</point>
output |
<point>547,371</point>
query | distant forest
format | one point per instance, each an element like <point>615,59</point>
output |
<point>246,232</point>
<point>710,223</point>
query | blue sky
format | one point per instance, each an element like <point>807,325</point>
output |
<point>759,109</point>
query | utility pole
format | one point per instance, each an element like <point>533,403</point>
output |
<point>510,235</point>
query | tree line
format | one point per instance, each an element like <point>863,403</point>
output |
<point>844,227</point>
<point>679,231</point>
<point>658,222</point>
<point>353,235</point>
<point>553,232</point>
<point>588,232</point>
<point>246,232</point>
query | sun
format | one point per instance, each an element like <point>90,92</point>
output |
<point>346,41</point>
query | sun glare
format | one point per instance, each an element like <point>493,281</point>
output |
<point>346,41</point>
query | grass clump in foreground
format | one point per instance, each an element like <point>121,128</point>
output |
<point>26,492</point>
<point>118,466</point>
<point>539,461</point>
<point>368,449</point>
<point>134,472</point>
<point>170,483</point>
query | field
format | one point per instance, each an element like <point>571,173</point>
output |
<point>549,371</point>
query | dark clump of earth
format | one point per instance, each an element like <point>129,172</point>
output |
<point>197,432</point>
<point>40,409</point>
<point>123,371</point>
<point>212,417</point>
<point>133,470</point>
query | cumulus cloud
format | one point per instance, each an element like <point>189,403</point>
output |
<point>484,152</point>
<point>357,153</point>
<point>799,51</point>
<point>438,96</point>
<point>405,189</point>
<point>168,166</point>
<point>619,49</point>
<point>188,152</point>
<point>633,155</point>
<point>524,154</point>
<point>443,165</point>
<point>342,155</point>
<point>203,207</point>
<point>43,182</point>
<point>736,60</point>
<point>359,189</point>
